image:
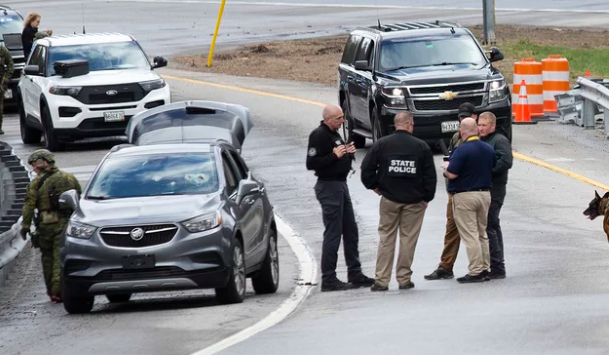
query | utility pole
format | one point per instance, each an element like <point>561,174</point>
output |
<point>488,20</point>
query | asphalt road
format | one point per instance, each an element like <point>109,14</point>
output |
<point>169,27</point>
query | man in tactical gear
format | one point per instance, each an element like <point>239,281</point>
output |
<point>6,72</point>
<point>43,194</point>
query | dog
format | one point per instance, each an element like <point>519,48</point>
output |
<point>599,206</point>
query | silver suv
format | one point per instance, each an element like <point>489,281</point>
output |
<point>171,216</point>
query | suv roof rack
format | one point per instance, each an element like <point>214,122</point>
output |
<point>405,26</point>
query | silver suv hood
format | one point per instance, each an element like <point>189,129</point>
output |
<point>145,210</point>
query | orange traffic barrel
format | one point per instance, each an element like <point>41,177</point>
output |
<point>530,71</point>
<point>555,80</point>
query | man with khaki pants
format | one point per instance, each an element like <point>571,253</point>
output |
<point>400,168</point>
<point>469,171</point>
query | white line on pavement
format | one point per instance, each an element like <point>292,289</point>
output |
<point>364,6</point>
<point>308,275</point>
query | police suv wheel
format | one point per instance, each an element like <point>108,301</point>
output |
<point>377,132</point>
<point>50,140</point>
<point>267,280</point>
<point>348,126</point>
<point>234,291</point>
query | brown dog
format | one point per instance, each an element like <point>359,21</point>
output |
<point>599,206</point>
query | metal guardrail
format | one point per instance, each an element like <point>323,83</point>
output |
<point>595,100</point>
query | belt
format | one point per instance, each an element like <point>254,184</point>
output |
<point>474,190</point>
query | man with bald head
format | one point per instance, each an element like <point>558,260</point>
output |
<point>400,168</point>
<point>331,158</point>
<point>470,173</point>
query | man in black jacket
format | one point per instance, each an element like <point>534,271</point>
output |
<point>400,168</point>
<point>503,151</point>
<point>331,159</point>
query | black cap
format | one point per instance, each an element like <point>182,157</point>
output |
<point>466,110</point>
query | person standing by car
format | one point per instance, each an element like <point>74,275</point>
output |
<point>503,151</point>
<point>452,240</point>
<point>331,159</point>
<point>43,194</point>
<point>470,176</point>
<point>6,72</point>
<point>401,169</point>
<point>30,27</point>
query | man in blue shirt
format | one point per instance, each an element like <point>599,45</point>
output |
<point>470,173</point>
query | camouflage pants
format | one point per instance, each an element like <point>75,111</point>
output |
<point>49,239</point>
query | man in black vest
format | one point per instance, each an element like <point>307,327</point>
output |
<point>331,159</point>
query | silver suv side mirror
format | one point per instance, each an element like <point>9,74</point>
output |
<point>69,199</point>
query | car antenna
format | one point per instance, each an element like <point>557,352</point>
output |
<point>377,14</point>
<point>83,17</point>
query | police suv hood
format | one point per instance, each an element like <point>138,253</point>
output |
<point>143,210</point>
<point>445,74</point>
<point>107,77</point>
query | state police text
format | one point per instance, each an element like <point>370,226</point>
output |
<point>402,166</point>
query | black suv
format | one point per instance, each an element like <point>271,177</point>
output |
<point>11,26</point>
<point>427,68</point>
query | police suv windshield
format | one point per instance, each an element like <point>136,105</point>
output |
<point>429,51</point>
<point>155,175</point>
<point>102,56</point>
<point>10,24</point>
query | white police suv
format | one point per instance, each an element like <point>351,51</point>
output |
<point>86,85</point>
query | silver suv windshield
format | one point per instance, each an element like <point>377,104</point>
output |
<point>429,51</point>
<point>102,56</point>
<point>155,175</point>
<point>10,24</point>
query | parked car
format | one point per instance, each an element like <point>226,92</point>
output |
<point>171,215</point>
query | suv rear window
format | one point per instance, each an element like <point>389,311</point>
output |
<point>429,51</point>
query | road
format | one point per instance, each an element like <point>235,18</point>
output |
<point>169,27</point>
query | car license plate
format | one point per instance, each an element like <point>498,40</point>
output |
<point>114,116</point>
<point>8,94</point>
<point>450,126</point>
<point>145,261</point>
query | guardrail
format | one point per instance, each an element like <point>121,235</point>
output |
<point>14,178</point>
<point>595,100</point>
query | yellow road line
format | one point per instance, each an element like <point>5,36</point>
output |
<point>316,103</point>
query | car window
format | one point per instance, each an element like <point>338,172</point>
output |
<point>35,56</point>
<point>240,165</point>
<point>364,52</point>
<point>230,176</point>
<point>102,56</point>
<point>350,48</point>
<point>10,24</point>
<point>155,175</point>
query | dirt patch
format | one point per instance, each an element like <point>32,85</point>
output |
<point>316,60</point>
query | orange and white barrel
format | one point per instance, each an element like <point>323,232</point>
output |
<point>531,72</point>
<point>555,74</point>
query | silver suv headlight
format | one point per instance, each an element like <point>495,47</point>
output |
<point>497,91</point>
<point>79,230</point>
<point>152,85</point>
<point>203,222</point>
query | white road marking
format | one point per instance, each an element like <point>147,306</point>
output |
<point>308,275</point>
<point>362,6</point>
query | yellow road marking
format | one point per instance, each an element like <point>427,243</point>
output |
<point>320,104</point>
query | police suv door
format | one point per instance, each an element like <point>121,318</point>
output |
<point>32,87</point>
<point>363,79</point>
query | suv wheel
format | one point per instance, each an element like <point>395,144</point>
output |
<point>50,139</point>
<point>75,304</point>
<point>234,292</point>
<point>28,135</point>
<point>377,130</point>
<point>267,280</point>
<point>119,298</point>
<point>348,125</point>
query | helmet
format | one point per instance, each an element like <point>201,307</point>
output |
<point>41,154</point>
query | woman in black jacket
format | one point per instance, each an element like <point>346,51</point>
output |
<point>30,27</point>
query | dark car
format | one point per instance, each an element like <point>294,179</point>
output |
<point>11,25</point>
<point>426,68</point>
<point>171,214</point>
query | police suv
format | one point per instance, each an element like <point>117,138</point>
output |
<point>427,68</point>
<point>86,85</point>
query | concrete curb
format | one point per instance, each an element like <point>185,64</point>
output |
<point>15,179</point>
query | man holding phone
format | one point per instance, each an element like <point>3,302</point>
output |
<point>330,157</point>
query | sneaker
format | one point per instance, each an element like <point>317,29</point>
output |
<point>335,285</point>
<point>485,275</point>
<point>55,299</point>
<point>470,279</point>
<point>440,274</point>
<point>1,132</point>
<point>496,275</point>
<point>376,287</point>
<point>361,280</point>
<point>407,286</point>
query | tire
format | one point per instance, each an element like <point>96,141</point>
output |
<point>348,134</point>
<point>267,280</point>
<point>29,135</point>
<point>119,298</point>
<point>377,129</point>
<point>234,292</point>
<point>75,304</point>
<point>50,139</point>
